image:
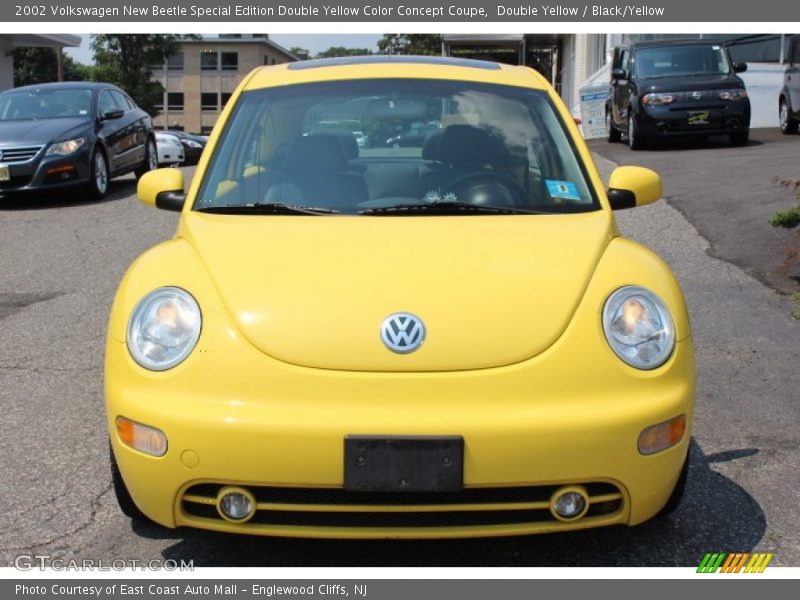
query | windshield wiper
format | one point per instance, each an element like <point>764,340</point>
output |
<point>448,208</point>
<point>266,208</point>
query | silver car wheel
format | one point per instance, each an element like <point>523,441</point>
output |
<point>100,173</point>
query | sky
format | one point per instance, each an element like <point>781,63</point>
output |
<point>313,42</point>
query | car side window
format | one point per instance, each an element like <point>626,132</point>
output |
<point>107,102</point>
<point>625,60</point>
<point>120,100</point>
<point>795,55</point>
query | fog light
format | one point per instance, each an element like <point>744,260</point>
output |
<point>236,504</point>
<point>568,504</point>
<point>141,437</point>
<point>662,435</point>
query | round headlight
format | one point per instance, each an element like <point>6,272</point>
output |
<point>164,328</point>
<point>638,327</point>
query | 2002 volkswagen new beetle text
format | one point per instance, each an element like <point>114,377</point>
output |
<point>352,339</point>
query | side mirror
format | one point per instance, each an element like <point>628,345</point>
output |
<point>619,74</point>
<point>633,186</point>
<point>162,188</point>
<point>739,67</point>
<point>110,115</point>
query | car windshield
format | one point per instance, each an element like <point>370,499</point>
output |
<point>671,61</point>
<point>45,104</point>
<point>375,145</point>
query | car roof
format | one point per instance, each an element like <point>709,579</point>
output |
<point>66,85</point>
<point>681,42</point>
<point>383,67</point>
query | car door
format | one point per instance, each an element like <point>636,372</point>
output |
<point>136,134</point>
<point>792,76</point>
<point>111,130</point>
<point>622,89</point>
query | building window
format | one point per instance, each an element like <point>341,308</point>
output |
<point>175,62</point>
<point>209,60</point>
<point>274,62</point>
<point>206,129</point>
<point>229,61</point>
<point>156,67</point>
<point>224,99</point>
<point>159,106</point>
<point>208,101</point>
<point>175,100</point>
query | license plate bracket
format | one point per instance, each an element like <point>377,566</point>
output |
<point>403,463</point>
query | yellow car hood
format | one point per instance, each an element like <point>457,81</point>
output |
<point>314,290</point>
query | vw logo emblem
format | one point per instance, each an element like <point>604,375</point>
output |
<point>402,332</point>
<point>697,95</point>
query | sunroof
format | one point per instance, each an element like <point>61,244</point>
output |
<point>383,59</point>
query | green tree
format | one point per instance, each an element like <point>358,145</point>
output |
<point>40,65</point>
<point>410,43</point>
<point>301,53</point>
<point>126,59</point>
<point>342,51</point>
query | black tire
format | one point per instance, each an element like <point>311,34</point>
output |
<point>740,138</point>
<point>126,503</point>
<point>613,134</point>
<point>150,162</point>
<point>98,175</point>
<point>635,139</point>
<point>677,493</point>
<point>788,124</point>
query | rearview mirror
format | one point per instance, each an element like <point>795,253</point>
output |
<point>162,188</point>
<point>739,67</point>
<point>633,186</point>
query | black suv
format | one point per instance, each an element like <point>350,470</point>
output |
<point>58,135</point>
<point>789,100</point>
<point>676,88</point>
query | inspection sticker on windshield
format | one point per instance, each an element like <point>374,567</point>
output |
<point>562,189</point>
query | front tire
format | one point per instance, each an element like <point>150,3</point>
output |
<point>613,134</point>
<point>740,138</point>
<point>150,162</point>
<point>98,176</point>
<point>635,139</point>
<point>788,124</point>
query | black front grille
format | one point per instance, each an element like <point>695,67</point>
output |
<point>18,155</point>
<point>337,496</point>
<point>504,497</point>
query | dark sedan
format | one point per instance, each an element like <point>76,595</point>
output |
<point>59,135</point>
<point>192,145</point>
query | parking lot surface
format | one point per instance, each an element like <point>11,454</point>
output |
<point>61,260</point>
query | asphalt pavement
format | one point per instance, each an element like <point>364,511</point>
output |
<point>60,263</point>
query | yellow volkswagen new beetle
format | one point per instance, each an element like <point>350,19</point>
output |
<point>432,331</point>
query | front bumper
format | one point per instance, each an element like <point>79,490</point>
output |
<point>278,430</point>
<point>42,173</point>
<point>681,119</point>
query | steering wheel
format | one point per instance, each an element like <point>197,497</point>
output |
<point>487,188</point>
